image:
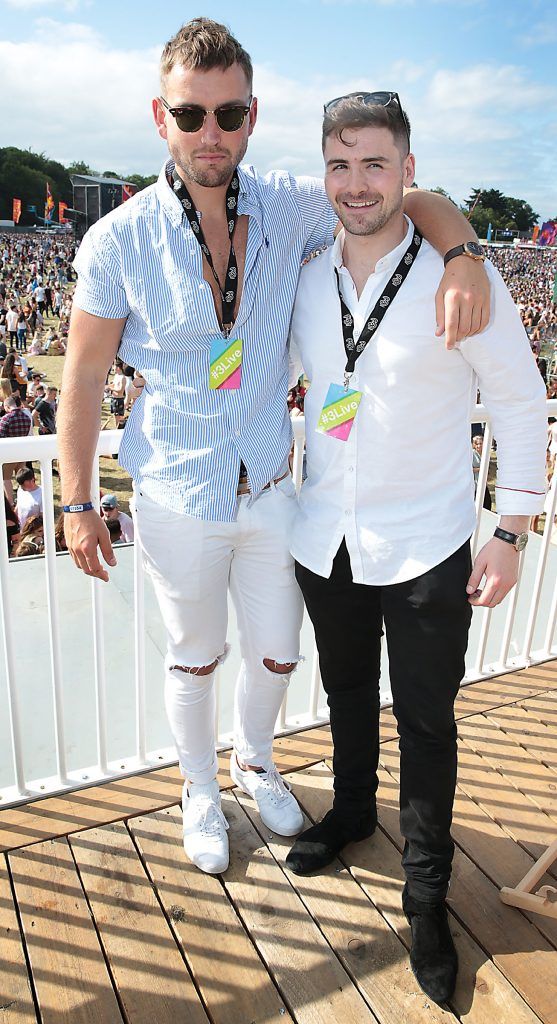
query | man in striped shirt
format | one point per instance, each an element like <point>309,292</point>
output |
<point>193,281</point>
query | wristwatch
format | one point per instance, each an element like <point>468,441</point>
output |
<point>472,249</point>
<point>518,540</point>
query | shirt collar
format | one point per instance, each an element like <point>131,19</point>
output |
<point>248,199</point>
<point>386,263</point>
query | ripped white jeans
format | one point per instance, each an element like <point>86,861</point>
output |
<point>193,564</point>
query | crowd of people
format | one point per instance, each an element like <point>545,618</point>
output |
<point>36,284</point>
<point>36,287</point>
<point>530,276</point>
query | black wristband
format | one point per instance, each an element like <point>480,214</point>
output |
<point>87,506</point>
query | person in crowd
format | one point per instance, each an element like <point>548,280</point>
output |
<point>477,449</point>
<point>29,496</point>
<point>212,494</point>
<point>12,525</point>
<point>11,324</point>
<point>21,332</point>
<point>44,412</point>
<point>117,391</point>
<point>382,535</point>
<point>115,531</point>
<point>110,511</point>
<point>14,423</point>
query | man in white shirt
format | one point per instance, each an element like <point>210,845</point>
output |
<point>110,510</point>
<point>383,528</point>
<point>29,496</point>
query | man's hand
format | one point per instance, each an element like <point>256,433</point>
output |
<point>498,562</point>
<point>84,532</point>
<point>462,302</point>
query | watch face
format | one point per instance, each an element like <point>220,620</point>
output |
<point>475,249</point>
<point>521,541</point>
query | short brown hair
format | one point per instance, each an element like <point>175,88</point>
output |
<point>205,44</point>
<point>352,113</point>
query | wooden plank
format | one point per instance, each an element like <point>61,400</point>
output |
<point>544,707</point>
<point>487,695</point>
<point>482,995</point>
<point>228,972</point>
<point>505,689</point>
<point>516,946</point>
<point>366,946</point>
<point>16,1000</point>
<point>532,778</point>
<point>152,979</point>
<point>70,976</point>
<point>139,794</point>
<point>526,729</point>
<point>495,852</point>
<point>312,982</point>
<point>517,815</point>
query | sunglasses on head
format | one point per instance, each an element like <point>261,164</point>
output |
<point>373,99</point>
<point>192,118</point>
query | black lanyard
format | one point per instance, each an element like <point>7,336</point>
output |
<point>229,293</point>
<point>354,348</point>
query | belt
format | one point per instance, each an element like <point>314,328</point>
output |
<point>244,488</point>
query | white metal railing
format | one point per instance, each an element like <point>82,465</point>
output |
<point>22,788</point>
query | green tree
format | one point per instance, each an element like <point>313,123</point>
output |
<point>80,167</point>
<point>140,180</point>
<point>24,175</point>
<point>441,192</point>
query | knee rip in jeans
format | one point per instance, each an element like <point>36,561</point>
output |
<point>203,670</point>
<point>281,668</point>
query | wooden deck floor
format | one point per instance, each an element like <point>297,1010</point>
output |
<point>103,921</point>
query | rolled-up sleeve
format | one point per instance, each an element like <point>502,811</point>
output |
<point>513,393</point>
<point>100,288</point>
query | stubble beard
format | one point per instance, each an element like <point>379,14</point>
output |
<point>208,177</point>
<point>371,223</point>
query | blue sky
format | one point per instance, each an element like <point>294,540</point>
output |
<point>476,76</point>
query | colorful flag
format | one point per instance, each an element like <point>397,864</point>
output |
<point>535,233</point>
<point>62,207</point>
<point>49,204</point>
<point>548,233</point>
<point>16,210</point>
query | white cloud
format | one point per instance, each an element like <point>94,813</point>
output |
<point>61,5</point>
<point>83,99</point>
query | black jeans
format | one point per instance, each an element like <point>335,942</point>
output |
<point>426,622</point>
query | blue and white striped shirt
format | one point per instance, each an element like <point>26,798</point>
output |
<point>183,442</point>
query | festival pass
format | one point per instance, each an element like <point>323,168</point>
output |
<point>225,372</point>
<point>339,412</point>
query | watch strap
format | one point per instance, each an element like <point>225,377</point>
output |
<point>460,250</point>
<point>510,538</point>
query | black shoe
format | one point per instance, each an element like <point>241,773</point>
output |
<point>433,956</point>
<point>319,845</point>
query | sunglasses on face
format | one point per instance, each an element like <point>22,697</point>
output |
<point>192,118</point>
<point>373,99</point>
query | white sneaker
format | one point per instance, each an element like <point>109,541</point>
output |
<point>279,810</point>
<point>205,827</point>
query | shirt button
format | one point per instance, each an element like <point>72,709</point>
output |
<point>237,433</point>
<point>347,512</point>
<point>351,469</point>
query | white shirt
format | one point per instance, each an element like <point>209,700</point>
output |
<point>11,319</point>
<point>126,526</point>
<point>29,503</point>
<point>401,488</point>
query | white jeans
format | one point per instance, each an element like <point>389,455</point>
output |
<point>192,563</point>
